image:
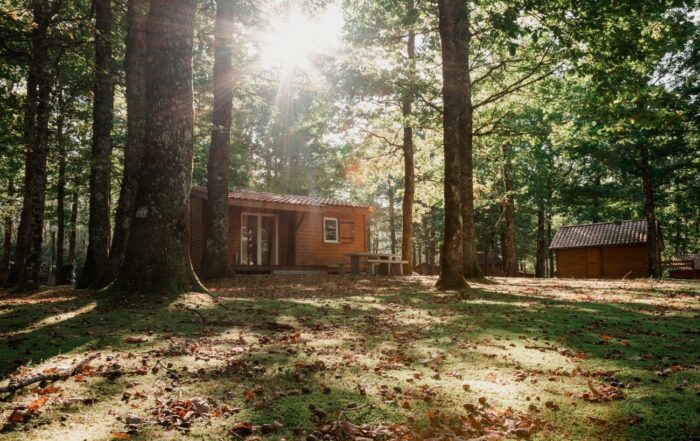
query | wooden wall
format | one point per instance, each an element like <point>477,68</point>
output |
<point>603,262</point>
<point>300,234</point>
<point>312,250</point>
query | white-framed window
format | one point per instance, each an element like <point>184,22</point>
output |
<point>330,230</point>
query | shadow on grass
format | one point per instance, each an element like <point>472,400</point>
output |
<point>628,336</point>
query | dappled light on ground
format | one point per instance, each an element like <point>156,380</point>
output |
<point>347,357</point>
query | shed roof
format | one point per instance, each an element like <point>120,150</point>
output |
<point>286,199</point>
<point>685,257</point>
<point>600,235</point>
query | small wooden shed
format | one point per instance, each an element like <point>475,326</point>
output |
<point>609,250</point>
<point>685,266</point>
<point>283,233</point>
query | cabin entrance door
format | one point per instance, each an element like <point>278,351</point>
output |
<point>259,241</point>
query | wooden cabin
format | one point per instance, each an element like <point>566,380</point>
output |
<point>685,266</point>
<point>283,233</point>
<point>608,250</point>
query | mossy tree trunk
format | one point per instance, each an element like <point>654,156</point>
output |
<point>157,255</point>
<point>452,24</point>
<point>100,154</point>
<point>134,67</point>
<point>215,259</point>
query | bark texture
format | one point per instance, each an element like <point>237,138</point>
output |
<point>452,23</point>
<point>510,260</point>
<point>408,164</point>
<point>654,261</point>
<point>29,138</point>
<point>100,162</point>
<point>29,239</point>
<point>215,259</point>
<point>157,255</point>
<point>134,66</point>
<point>470,264</point>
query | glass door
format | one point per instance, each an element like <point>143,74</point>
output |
<point>258,239</point>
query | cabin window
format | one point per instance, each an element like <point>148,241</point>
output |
<point>330,230</point>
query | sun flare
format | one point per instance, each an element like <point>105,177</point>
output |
<point>294,40</point>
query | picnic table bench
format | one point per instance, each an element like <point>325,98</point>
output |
<point>392,262</point>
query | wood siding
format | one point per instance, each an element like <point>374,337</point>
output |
<point>311,250</point>
<point>603,262</point>
<point>300,233</point>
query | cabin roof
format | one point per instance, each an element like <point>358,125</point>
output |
<point>285,199</point>
<point>600,235</point>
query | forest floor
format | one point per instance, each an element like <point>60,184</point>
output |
<point>356,358</point>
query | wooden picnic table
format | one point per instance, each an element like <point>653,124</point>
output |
<point>386,258</point>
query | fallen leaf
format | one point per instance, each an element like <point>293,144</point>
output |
<point>36,404</point>
<point>249,395</point>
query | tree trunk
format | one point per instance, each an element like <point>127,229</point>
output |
<point>215,259</point>
<point>6,244</point>
<point>73,229</point>
<point>541,254</point>
<point>60,192</point>
<point>408,165</point>
<point>157,255</point>
<point>654,263</point>
<point>29,245</point>
<point>453,27</point>
<point>550,253</point>
<point>510,260</point>
<point>100,164</point>
<point>29,139</point>
<point>392,216</point>
<point>470,264</point>
<point>134,66</point>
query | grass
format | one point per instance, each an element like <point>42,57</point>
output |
<point>608,360</point>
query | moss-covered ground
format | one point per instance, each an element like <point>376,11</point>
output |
<point>298,357</point>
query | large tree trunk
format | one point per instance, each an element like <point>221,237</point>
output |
<point>134,67</point>
<point>392,215</point>
<point>654,263</point>
<point>541,253</point>
<point>470,263</point>
<point>39,90</point>
<point>510,261</point>
<point>408,166</point>
<point>100,163</point>
<point>452,23</point>
<point>157,255</point>
<point>29,139</point>
<point>60,192</point>
<point>215,259</point>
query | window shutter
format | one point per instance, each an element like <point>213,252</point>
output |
<point>347,231</point>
